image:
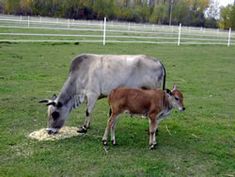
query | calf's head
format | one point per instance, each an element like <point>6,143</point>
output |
<point>57,113</point>
<point>176,98</point>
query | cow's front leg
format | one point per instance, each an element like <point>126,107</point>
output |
<point>86,125</point>
<point>91,100</point>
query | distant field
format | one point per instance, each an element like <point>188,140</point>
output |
<point>199,142</point>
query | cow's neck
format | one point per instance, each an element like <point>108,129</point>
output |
<point>69,95</point>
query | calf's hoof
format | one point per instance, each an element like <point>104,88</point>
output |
<point>82,130</point>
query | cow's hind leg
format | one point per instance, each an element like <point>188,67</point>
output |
<point>91,100</point>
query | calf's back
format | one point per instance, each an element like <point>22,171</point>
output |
<point>136,101</point>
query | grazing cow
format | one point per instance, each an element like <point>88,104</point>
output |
<point>154,103</point>
<point>94,76</point>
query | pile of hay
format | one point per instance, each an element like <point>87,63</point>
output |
<point>65,132</point>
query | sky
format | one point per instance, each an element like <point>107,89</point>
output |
<point>225,2</point>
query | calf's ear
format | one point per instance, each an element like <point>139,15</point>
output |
<point>168,92</point>
<point>174,87</point>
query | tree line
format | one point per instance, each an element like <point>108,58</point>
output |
<point>187,12</point>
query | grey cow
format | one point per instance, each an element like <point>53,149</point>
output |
<point>92,77</point>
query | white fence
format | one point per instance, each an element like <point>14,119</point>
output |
<point>41,29</point>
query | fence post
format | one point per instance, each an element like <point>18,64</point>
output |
<point>229,37</point>
<point>28,21</point>
<point>179,35</point>
<point>104,31</point>
<point>68,23</point>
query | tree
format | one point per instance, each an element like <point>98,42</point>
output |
<point>212,14</point>
<point>2,5</point>
<point>187,12</point>
<point>180,12</point>
<point>196,12</point>
<point>159,14</point>
<point>104,8</point>
<point>213,10</point>
<point>227,17</point>
<point>12,6</point>
<point>233,17</point>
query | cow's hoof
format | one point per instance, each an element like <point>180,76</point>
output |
<point>82,130</point>
<point>105,143</point>
<point>50,132</point>
<point>114,143</point>
<point>152,146</point>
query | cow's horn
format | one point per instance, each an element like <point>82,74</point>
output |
<point>51,103</point>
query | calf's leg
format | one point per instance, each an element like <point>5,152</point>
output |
<point>113,127</point>
<point>152,131</point>
<point>110,125</point>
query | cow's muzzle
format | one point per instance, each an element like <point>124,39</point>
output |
<point>183,109</point>
<point>51,131</point>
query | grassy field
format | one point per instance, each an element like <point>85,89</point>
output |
<point>200,142</point>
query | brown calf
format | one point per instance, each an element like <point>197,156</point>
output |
<point>154,103</point>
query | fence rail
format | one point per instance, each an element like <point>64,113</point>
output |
<point>41,29</point>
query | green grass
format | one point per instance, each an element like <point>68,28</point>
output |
<point>201,141</point>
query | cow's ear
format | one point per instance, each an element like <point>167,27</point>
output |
<point>59,105</point>
<point>44,101</point>
<point>168,92</point>
<point>55,115</point>
<point>53,97</point>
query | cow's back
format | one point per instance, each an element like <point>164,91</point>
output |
<point>134,71</point>
<point>104,73</point>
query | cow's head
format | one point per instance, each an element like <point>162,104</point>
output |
<point>57,113</point>
<point>176,98</point>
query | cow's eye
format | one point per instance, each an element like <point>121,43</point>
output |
<point>55,115</point>
<point>176,98</point>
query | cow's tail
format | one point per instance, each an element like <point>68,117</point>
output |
<point>164,77</point>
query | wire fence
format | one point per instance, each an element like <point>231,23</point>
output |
<point>45,29</point>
